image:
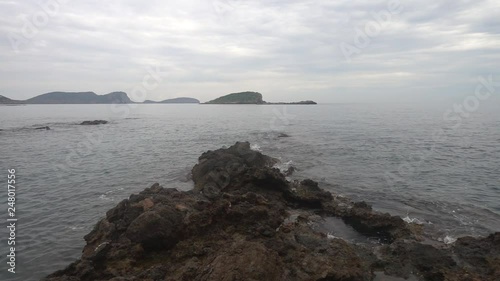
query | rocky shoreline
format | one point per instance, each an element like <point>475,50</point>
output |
<point>245,221</point>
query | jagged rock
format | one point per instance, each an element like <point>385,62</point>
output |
<point>469,259</point>
<point>95,122</point>
<point>244,221</point>
<point>480,254</point>
<point>224,168</point>
<point>156,228</point>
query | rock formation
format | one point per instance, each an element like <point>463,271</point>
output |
<point>252,98</point>
<point>244,221</point>
<point>95,122</point>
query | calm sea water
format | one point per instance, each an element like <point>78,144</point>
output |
<point>69,176</point>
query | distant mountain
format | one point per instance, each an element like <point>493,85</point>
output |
<point>6,100</point>
<point>121,97</point>
<point>251,98</point>
<point>176,100</point>
<point>239,98</point>
<point>87,98</point>
<point>79,98</point>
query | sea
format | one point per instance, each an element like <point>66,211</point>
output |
<point>425,162</point>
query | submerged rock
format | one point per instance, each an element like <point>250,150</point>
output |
<point>43,128</point>
<point>95,122</point>
<point>244,221</point>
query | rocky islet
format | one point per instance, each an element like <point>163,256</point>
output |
<point>243,220</point>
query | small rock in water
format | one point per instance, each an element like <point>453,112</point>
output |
<point>95,122</point>
<point>43,128</point>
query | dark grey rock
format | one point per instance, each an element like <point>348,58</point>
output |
<point>43,128</point>
<point>95,122</point>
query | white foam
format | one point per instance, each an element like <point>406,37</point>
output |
<point>76,227</point>
<point>255,147</point>
<point>448,240</point>
<point>331,236</point>
<point>407,219</point>
<point>283,167</point>
<point>105,197</point>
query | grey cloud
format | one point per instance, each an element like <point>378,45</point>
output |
<point>288,50</point>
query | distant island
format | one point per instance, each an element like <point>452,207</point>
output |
<point>250,98</point>
<point>79,98</point>
<point>239,98</point>
<point>86,98</point>
<point>6,100</point>
<point>122,98</point>
<point>72,98</point>
<point>176,100</point>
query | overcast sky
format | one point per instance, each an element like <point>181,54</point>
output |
<point>328,51</point>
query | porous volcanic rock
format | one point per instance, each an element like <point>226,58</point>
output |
<point>244,221</point>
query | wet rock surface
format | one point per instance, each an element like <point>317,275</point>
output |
<point>244,221</point>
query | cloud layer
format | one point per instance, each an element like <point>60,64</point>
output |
<point>288,50</point>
